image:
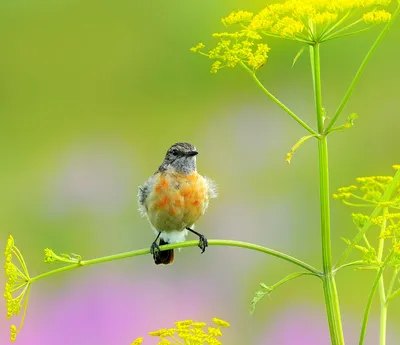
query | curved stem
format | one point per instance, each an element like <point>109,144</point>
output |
<point>362,67</point>
<point>278,102</point>
<point>138,252</point>
<point>356,263</point>
<point>329,284</point>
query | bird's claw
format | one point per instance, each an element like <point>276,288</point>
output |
<point>154,248</point>
<point>203,243</point>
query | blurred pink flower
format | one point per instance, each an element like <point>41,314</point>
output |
<point>108,309</point>
<point>306,324</point>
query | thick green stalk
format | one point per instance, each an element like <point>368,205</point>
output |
<point>138,252</point>
<point>329,284</point>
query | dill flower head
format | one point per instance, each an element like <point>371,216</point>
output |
<point>16,291</point>
<point>313,20</point>
<point>190,332</point>
<point>306,21</point>
<point>371,193</point>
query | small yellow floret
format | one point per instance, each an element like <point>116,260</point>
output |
<point>137,341</point>
<point>215,332</point>
<point>237,17</point>
<point>221,323</point>
<point>49,256</point>
<point>197,47</point>
<point>377,17</point>
<point>158,333</point>
<point>216,66</point>
<point>324,17</point>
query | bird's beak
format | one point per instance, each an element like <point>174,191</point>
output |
<point>192,153</point>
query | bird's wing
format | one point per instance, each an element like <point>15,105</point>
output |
<point>143,193</point>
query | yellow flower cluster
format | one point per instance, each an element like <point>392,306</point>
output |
<point>234,48</point>
<point>369,192</point>
<point>17,286</point>
<point>372,188</point>
<point>306,21</point>
<point>237,17</point>
<point>315,20</point>
<point>190,333</point>
<point>377,17</point>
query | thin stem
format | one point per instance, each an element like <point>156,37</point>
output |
<point>333,27</point>
<point>362,67</point>
<point>381,286</point>
<point>297,39</point>
<point>349,34</point>
<point>370,297</point>
<point>291,277</point>
<point>278,102</point>
<point>386,197</point>
<point>347,27</point>
<point>138,252</point>
<point>356,263</point>
<point>329,284</point>
<point>391,284</point>
<point>393,295</point>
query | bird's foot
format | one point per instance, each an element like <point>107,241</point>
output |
<point>203,243</point>
<point>154,248</point>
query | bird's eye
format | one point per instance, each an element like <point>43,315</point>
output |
<point>175,152</point>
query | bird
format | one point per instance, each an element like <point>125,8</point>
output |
<point>174,198</point>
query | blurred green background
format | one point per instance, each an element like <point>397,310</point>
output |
<point>92,94</point>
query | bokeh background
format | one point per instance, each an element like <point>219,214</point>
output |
<point>92,94</point>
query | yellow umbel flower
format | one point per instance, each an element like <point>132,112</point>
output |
<point>221,323</point>
<point>381,193</point>
<point>377,17</point>
<point>16,291</point>
<point>189,332</point>
<point>237,17</point>
<point>317,20</point>
<point>306,21</point>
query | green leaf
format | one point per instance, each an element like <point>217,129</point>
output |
<point>298,55</point>
<point>265,290</point>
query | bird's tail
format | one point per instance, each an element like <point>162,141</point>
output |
<point>165,257</point>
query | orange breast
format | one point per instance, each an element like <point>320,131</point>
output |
<point>177,201</point>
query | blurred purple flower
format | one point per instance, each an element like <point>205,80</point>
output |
<point>306,324</point>
<point>109,310</point>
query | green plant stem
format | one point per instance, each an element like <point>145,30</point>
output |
<point>381,285</point>
<point>370,297</point>
<point>391,284</point>
<point>138,252</point>
<point>362,67</point>
<point>329,284</point>
<point>386,197</point>
<point>278,102</point>
<point>356,263</point>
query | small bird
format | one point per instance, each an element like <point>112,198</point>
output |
<point>174,198</point>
